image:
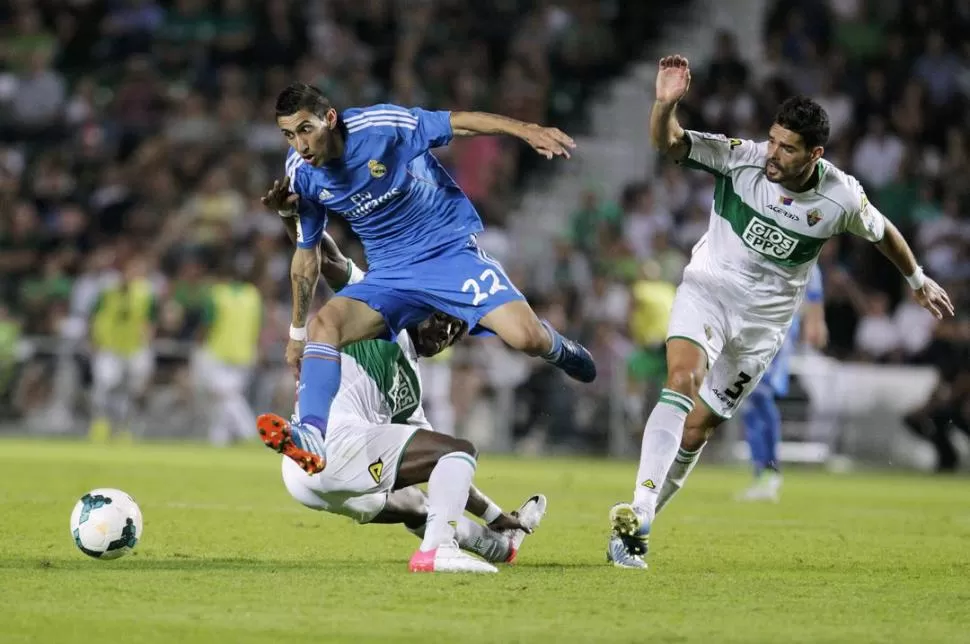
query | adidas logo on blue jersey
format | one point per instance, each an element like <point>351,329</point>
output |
<point>325,194</point>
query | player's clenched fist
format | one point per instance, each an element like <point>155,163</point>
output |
<point>280,198</point>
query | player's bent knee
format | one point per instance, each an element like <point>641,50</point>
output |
<point>324,327</point>
<point>529,337</point>
<point>684,380</point>
<point>516,323</point>
<point>466,446</point>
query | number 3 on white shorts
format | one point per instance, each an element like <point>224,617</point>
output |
<point>494,287</point>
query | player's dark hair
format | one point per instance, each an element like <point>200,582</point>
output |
<point>805,117</point>
<point>300,96</point>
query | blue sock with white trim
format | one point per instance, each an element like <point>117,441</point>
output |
<point>661,440</point>
<point>319,382</point>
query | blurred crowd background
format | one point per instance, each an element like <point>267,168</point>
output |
<point>136,138</point>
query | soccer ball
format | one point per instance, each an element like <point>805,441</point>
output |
<point>106,523</point>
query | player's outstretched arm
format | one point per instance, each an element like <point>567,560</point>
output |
<point>547,141</point>
<point>929,294</point>
<point>666,134</point>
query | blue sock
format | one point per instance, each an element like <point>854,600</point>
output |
<point>556,352</point>
<point>319,382</point>
<point>754,435</point>
<point>772,433</point>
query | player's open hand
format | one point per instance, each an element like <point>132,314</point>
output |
<point>508,522</point>
<point>548,141</point>
<point>934,299</point>
<point>280,198</point>
<point>673,78</point>
<point>294,355</point>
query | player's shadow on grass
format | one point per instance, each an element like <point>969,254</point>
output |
<point>183,563</point>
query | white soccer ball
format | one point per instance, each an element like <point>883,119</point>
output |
<point>106,523</point>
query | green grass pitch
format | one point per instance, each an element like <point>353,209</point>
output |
<point>227,556</point>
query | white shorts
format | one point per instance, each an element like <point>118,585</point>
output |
<point>112,371</point>
<point>739,348</point>
<point>362,466</point>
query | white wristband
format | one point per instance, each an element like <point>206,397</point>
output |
<point>356,275</point>
<point>298,333</point>
<point>287,214</point>
<point>492,512</point>
<point>917,279</point>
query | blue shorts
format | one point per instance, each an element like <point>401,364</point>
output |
<point>460,280</point>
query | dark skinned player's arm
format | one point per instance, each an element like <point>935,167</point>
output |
<point>335,268</point>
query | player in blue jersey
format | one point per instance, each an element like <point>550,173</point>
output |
<point>761,417</point>
<point>373,166</point>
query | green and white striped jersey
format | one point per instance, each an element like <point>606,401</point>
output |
<point>380,384</point>
<point>763,239</point>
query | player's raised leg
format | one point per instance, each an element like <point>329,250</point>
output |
<point>338,323</point>
<point>519,327</point>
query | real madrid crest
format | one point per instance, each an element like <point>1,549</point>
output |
<point>377,169</point>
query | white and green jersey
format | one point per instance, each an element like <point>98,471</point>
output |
<point>763,239</point>
<point>379,384</point>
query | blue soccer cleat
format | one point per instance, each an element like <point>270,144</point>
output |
<point>577,362</point>
<point>629,539</point>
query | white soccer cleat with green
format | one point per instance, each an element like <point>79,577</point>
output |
<point>629,538</point>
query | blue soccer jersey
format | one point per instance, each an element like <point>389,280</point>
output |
<point>392,191</point>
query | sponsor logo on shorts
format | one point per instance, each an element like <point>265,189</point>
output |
<point>724,399</point>
<point>375,470</point>
<point>768,240</point>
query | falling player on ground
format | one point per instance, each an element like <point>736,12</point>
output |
<point>775,205</point>
<point>760,416</point>
<point>374,167</point>
<point>380,446</point>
